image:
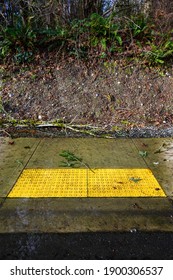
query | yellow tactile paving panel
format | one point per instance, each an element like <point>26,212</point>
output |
<point>51,183</point>
<point>123,183</point>
<point>84,183</point>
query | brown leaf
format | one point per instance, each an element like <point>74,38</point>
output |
<point>11,142</point>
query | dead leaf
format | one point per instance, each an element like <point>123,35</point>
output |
<point>11,142</point>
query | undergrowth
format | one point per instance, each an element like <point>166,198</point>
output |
<point>97,36</point>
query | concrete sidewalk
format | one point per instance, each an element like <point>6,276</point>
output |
<point>86,214</point>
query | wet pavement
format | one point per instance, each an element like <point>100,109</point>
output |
<point>78,227</point>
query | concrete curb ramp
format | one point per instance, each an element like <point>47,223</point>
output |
<point>128,186</point>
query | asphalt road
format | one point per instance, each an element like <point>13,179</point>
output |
<point>87,246</point>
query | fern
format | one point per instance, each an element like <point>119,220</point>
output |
<point>71,160</point>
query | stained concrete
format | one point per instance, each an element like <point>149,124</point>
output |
<point>98,153</point>
<point>86,215</point>
<point>159,160</point>
<point>14,155</point>
<point>67,215</point>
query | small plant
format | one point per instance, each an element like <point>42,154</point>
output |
<point>143,154</point>
<point>158,54</point>
<point>135,180</point>
<point>104,33</point>
<point>139,27</point>
<point>71,160</point>
<point>23,56</point>
<point>53,37</point>
<point>18,36</point>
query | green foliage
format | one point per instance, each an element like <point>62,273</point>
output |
<point>104,32</point>
<point>71,160</point>
<point>140,27</point>
<point>53,37</point>
<point>18,39</point>
<point>159,53</point>
<point>22,56</point>
<point>102,37</point>
<point>100,26</point>
<point>143,154</point>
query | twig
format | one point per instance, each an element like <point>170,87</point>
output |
<point>3,130</point>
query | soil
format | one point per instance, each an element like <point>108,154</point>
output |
<point>105,96</point>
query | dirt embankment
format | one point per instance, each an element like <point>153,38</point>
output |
<point>111,97</point>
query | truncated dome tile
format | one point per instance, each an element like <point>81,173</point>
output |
<point>51,183</point>
<point>123,183</point>
<point>84,183</point>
